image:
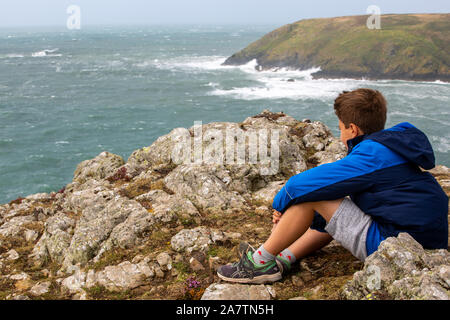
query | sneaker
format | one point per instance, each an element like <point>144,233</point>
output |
<point>245,271</point>
<point>244,247</point>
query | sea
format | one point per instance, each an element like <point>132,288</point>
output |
<point>68,95</point>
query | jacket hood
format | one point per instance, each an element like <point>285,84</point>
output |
<point>406,140</point>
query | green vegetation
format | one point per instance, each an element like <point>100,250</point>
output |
<point>409,46</point>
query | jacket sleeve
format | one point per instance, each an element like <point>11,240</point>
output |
<point>335,180</point>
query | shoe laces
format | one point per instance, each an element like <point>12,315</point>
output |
<point>242,266</point>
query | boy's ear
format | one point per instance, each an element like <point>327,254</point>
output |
<point>356,131</point>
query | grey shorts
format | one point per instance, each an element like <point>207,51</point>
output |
<point>349,226</point>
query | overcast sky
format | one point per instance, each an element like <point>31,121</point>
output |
<point>266,12</point>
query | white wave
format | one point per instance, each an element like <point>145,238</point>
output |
<point>62,142</point>
<point>88,70</point>
<point>212,84</point>
<point>31,156</point>
<point>275,83</point>
<point>285,83</point>
<point>277,89</point>
<point>39,54</point>
<point>11,56</point>
<point>15,55</point>
<point>46,53</point>
<point>187,63</point>
<point>199,63</point>
<point>146,63</point>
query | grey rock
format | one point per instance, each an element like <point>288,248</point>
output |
<point>39,196</point>
<point>265,195</point>
<point>55,239</point>
<point>219,291</point>
<point>40,288</point>
<point>298,298</point>
<point>20,297</point>
<point>31,235</point>
<point>80,295</point>
<point>167,207</point>
<point>14,226</point>
<point>11,255</point>
<point>123,276</point>
<point>19,276</point>
<point>164,260</point>
<point>75,282</point>
<point>129,232</point>
<point>101,167</point>
<point>204,187</point>
<point>199,238</point>
<point>402,269</point>
<point>107,220</point>
<point>196,265</point>
<point>159,273</point>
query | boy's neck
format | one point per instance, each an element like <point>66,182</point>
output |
<point>351,143</point>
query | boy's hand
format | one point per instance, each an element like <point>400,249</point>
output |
<point>276,216</point>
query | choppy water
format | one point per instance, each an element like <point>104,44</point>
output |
<point>66,96</point>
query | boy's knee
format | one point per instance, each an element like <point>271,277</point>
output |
<point>326,208</point>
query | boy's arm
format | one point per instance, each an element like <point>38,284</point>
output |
<point>334,180</point>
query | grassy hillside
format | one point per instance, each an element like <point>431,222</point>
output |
<point>408,46</point>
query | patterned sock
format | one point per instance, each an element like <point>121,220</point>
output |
<point>288,255</point>
<point>261,256</point>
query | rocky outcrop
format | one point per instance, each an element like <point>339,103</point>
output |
<point>142,228</point>
<point>112,204</point>
<point>401,269</point>
<point>101,167</point>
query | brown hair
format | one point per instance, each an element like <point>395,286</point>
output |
<point>366,108</point>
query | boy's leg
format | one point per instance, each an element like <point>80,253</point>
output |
<point>296,221</point>
<point>311,241</point>
<point>346,223</point>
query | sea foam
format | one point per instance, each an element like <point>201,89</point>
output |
<point>46,53</point>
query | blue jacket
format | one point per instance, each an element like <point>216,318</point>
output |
<point>381,175</point>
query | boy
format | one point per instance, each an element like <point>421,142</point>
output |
<point>388,194</point>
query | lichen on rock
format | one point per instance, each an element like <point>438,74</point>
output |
<point>402,269</point>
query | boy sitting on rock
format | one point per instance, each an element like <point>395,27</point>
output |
<point>375,192</point>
